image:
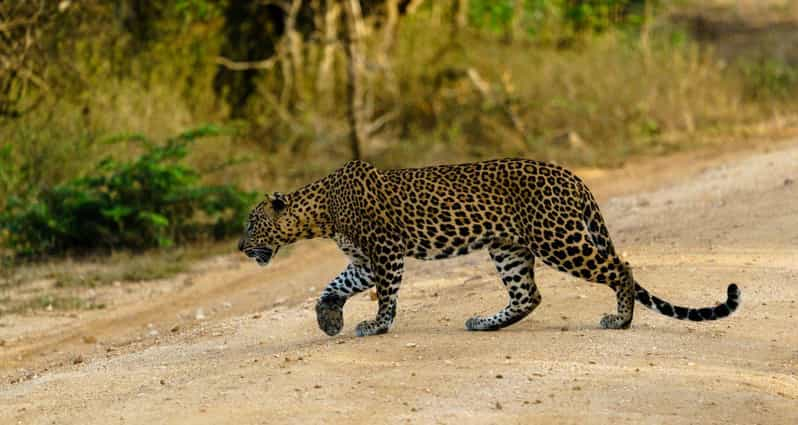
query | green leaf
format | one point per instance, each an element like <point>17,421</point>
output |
<point>155,219</point>
<point>116,213</point>
<point>164,242</point>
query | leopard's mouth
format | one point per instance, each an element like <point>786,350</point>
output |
<point>261,255</point>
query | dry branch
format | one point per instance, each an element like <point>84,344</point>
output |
<point>22,60</point>
<point>245,65</point>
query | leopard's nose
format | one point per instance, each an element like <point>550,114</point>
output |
<point>241,244</point>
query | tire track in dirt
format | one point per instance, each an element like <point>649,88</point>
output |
<point>124,324</point>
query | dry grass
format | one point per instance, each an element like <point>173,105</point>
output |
<point>118,267</point>
<point>62,284</point>
<point>613,97</point>
<point>48,302</point>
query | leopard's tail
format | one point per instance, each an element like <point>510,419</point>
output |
<point>686,313</point>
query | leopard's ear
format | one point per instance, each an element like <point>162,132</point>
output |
<point>278,202</point>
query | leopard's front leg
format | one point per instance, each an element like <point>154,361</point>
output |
<point>330,306</point>
<point>388,277</point>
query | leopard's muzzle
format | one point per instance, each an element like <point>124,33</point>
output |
<point>261,255</point>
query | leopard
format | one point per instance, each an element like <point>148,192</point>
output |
<point>521,210</point>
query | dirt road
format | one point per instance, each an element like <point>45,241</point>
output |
<point>253,354</point>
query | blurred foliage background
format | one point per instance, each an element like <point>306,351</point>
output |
<point>301,86</point>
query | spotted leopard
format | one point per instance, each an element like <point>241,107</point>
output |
<point>518,209</point>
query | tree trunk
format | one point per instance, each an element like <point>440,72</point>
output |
<point>325,84</point>
<point>293,41</point>
<point>354,71</point>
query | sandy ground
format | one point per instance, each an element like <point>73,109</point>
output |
<point>234,344</point>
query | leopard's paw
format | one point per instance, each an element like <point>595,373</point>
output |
<point>477,323</point>
<point>330,317</point>
<point>370,327</point>
<point>615,321</point>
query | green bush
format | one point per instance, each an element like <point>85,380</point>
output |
<point>579,15</point>
<point>769,78</point>
<point>600,15</point>
<point>154,200</point>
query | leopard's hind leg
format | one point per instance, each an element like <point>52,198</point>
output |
<point>516,265</point>
<point>574,251</point>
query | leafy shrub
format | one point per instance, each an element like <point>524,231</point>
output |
<point>153,200</point>
<point>491,15</point>
<point>769,78</point>
<point>599,15</point>
<point>580,15</point>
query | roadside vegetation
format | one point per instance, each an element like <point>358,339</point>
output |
<point>106,151</point>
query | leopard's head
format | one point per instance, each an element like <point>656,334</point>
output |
<point>267,229</point>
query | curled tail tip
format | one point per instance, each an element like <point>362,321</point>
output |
<point>733,300</point>
<point>733,291</point>
<point>693,314</point>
